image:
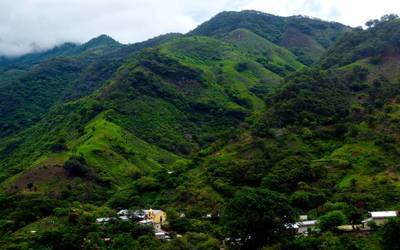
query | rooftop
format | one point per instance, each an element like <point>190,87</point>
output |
<point>123,212</point>
<point>300,224</point>
<point>383,214</point>
<point>156,211</point>
<point>102,220</point>
<point>307,223</point>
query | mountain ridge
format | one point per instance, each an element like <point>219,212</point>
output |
<point>278,30</point>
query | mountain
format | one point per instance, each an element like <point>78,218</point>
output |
<point>305,37</point>
<point>99,42</point>
<point>37,82</point>
<point>102,44</point>
<point>233,129</point>
<point>376,48</point>
<point>273,57</point>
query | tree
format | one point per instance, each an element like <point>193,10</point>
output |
<point>94,241</point>
<point>59,146</point>
<point>240,67</point>
<point>29,186</point>
<point>147,184</point>
<point>391,235</point>
<point>372,23</point>
<point>389,17</point>
<point>386,18</point>
<point>355,216</point>
<point>330,241</point>
<point>124,241</point>
<point>255,217</point>
<point>331,220</point>
<point>306,200</point>
<point>76,167</point>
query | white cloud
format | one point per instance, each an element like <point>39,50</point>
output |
<point>26,25</point>
<point>349,12</point>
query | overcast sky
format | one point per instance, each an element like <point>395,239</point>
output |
<point>26,25</point>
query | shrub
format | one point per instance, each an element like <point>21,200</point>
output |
<point>331,220</point>
<point>76,167</point>
<point>372,224</point>
<point>391,234</point>
<point>147,183</point>
<point>59,146</point>
<point>240,67</point>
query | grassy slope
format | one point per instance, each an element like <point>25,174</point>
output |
<point>32,84</point>
<point>194,81</point>
<point>117,130</point>
<point>306,38</point>
<point>264,51</point>
<point>361,165</point>
<point>116,153</point>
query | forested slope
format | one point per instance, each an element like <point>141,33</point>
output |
<point>233,129</point>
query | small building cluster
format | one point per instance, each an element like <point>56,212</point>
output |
<point>155,218</point>
<point>305,226</point>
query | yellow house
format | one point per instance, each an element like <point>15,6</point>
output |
<point>157,216</point>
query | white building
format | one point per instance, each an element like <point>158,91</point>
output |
<point>102,220</point>
<point>302,227</point>
<point>380,217</point>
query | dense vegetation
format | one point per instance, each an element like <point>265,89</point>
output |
<point>234,130</point>
<point>307,38</point>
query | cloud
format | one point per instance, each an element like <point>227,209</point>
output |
<point>349,12</point>
<point>29,25</point>
<point>39,24</point>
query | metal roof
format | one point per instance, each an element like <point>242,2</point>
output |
<point>123,212</point>
<point>307,223</point>
<point>300,224</point>
<point>101,220</point>
<point>291,226</point>
<point>383,214</point>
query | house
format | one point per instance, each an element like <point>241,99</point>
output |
<point>303,217</point>
<point>102,220</point>
<point>157,216</point>
<point>123,212</point>
<point>302,227</point>
<point>145,222</point>
<point>162,235</point>
<point>121,215</point>
<point>379,217</point>
<point>123,218</point>
<point>306,226</point>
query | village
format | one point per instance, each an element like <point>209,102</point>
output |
<point>155,218</point>
<point>375,219</point>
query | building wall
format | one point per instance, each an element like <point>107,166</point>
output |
<point>305,229</point>
<point>159,218</point>
<point>380,222</point>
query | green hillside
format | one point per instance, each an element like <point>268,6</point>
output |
<point>32,84</point>
<point>306,38</point>
<point>273,57</point>
<point>168,96</point>
<point>234,130</point>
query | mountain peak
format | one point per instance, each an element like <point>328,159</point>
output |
<point>307,39</point>
<point>101,40</point>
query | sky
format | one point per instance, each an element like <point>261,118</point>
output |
<point>34,25</point>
